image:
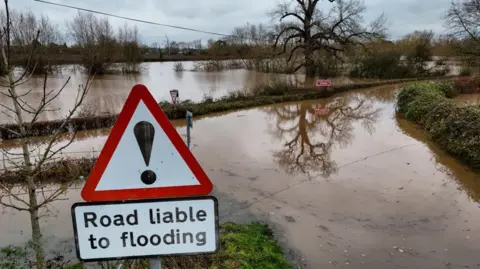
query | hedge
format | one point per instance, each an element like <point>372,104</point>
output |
<point>456,128</point>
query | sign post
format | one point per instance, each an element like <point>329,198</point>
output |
<point>189,125</point>
<point>147,195</point>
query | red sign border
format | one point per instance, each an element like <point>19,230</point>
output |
<point>141,93</point>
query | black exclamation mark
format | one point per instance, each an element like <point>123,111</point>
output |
<point>144,133</point>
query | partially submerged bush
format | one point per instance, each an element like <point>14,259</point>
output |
<point>465,71</point>
<point>455,128</point>
<point>389,64</point>
<point>178,67</point>
<point>381,65</point>
<point>209,66</point>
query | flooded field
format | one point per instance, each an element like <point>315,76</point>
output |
<point>356,188</point>
<point>108,92</point>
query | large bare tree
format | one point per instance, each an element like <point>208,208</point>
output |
<point>311,30</point>
<point>31,160</point>
<point>463,21</point>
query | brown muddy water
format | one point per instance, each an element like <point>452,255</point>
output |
<point>357,188</point>
<point>468,99</point>
<point>108,92</point>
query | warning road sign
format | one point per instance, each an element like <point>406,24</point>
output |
<point>146,228</point>
<point>174,95</point>
<point>144,157</point>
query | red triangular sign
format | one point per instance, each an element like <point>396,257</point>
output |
<point>144,157</point>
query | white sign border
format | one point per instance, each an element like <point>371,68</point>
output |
<point>189,198</point>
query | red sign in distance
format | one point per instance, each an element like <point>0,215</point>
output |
<point>323,83</point>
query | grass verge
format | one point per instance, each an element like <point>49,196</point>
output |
<point>269,94</point>
<point>243,246</point>
<point>454,127</point>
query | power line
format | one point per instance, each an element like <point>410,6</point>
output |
<point>133,19</point>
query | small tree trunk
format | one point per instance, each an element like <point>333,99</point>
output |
<point>32,195</point>
<point>35,223</point>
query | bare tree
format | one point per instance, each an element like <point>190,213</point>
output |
<point>33,160</point>
<point>463,21</point>
<point>313,30</point>
<point>23,31</point>
<point>129,41</point>
<point>253,45</point>
<point>95,37</point>
<point>197,44</point>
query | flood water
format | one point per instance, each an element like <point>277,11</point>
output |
<point>108,92</point>
<point>468,99</point>
<point>356,188</point>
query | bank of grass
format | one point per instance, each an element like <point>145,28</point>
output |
<point>456,128</point>
<point>266,95</point>
<point>243,246</point>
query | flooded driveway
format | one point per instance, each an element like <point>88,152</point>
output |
<point>355,188</point>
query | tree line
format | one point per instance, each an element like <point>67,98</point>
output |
<point>96,44</point>
<point>320,38</point>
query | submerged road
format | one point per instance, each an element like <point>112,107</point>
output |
<point>356,188</point>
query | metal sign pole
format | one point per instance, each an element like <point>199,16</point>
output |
<point>189,125</point>
<point>155,263</point>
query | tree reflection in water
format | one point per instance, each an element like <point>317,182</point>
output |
<point>309,138</point>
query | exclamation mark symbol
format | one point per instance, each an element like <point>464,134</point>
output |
<point>144,133</point>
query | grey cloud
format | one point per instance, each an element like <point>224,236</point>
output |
<point>404,16</point>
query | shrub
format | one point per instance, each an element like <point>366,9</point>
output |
<point>465,71</point>
<point>381,65</point>
<point>209,66</point>
<point>178,67</point>
<point>455,128</point>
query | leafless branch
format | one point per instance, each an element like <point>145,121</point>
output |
<point>12,195</point>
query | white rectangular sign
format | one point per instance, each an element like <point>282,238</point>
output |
<point>145,228</point>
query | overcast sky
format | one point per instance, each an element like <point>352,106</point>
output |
<point>221,16</point>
